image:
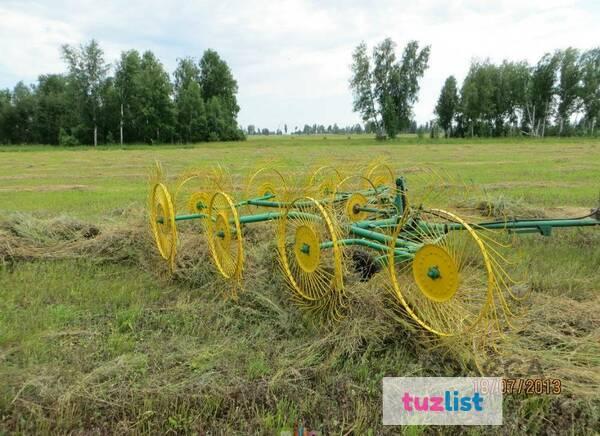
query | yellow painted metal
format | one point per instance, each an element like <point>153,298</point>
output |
<point>306,248</point>
<point>457,305</point>
<point>224,235</point>
<point>200,180</point>
<point>380,174</point>
<point>354,202</point>
<point>162,222</point>
<point>266,188</point>
<point>347,195</point>
<point>266,180</point>
<point>198,198</point>
<point>323,181</point>
<point>223,232</point>
<point>435,272</point>
<point>316,281</point>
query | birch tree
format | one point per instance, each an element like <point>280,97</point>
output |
<point>385,92</point>
<point>87,70</point>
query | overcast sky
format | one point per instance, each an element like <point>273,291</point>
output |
<point>291,58</point>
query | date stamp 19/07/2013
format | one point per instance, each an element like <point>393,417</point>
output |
<point>516,386</point>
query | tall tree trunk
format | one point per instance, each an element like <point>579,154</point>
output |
<point>95,135</point>
<point>537,122</point>
<point>560,127</point>
<point>531,119</point>
<point>121,126</point>
<point>544,120</point>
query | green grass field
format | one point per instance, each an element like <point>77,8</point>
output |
<point>96,337</point>
<point>88,183</point>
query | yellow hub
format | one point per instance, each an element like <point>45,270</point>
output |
<point>198,202</point>
<point>222,232</point>
<point>307,249</point>
<point>354,202</point>
<point>164,226</point>
<point>435,273</point>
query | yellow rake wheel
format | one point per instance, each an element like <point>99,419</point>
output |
<point>447,288</point>
<point>311,258</point>
<point>198,202</point>
<point>353,205</point>
<point>193,182</point>
<point>352,195</point>
<point>162,222</point>
<point>381,175</point>
<point>323,181</point>
<point>266,181</point>
<point>224,235</point>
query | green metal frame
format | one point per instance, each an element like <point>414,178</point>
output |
<point>364,233</point>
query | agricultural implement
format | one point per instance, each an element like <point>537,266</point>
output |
<point>448,273</point>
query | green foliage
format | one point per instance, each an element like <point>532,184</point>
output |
<point>138,104</point>
<point>128,88</point>
<point>590,87</point>
<point>6,110</point>
<point>191,113</point>
<point>218,90</point>
<point>541,93</point>
<point>87,73</point>
<point>478,98</point>
<point>515,98</point>
<point>157,110</point>
<point>52,108</point>
<point>217,81</point>
<point>215,118</point>
<point>110,138</point>
<point>20,119</point>
<point>361,84</point>
<point>568,85</point>
<point>109,117</point>
<point>447,105</point>
<point>66,139</point>
<point>385,93</point>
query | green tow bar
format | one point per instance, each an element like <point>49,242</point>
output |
<point>541,226</point>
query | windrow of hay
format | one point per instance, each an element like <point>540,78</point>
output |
<point>202,362</point>
<point>27,238</point>
<point>502,207</point>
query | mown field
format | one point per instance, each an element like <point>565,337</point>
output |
<point>96,337</point>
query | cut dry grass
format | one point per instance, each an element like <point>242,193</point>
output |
<point>25,238</point>
<point>95,336</point>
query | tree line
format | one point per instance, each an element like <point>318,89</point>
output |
<point>137,103</point>
<point>559,95</point>
<point>308,129</point>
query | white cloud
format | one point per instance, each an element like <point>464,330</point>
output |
<point>291,57</point>
<point>30,44</point>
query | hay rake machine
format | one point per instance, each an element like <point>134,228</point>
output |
<point>448,273</point>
